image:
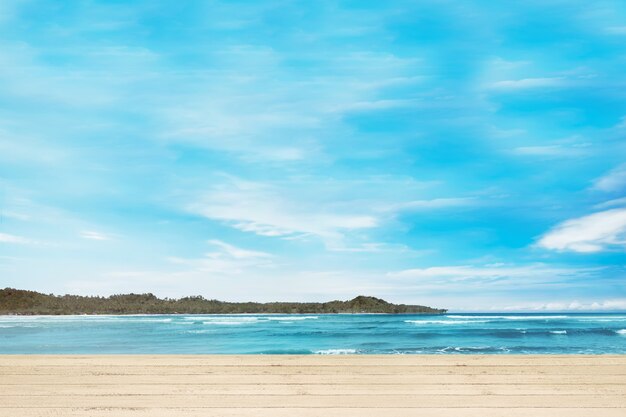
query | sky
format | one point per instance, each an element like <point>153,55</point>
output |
<point>469,155</point>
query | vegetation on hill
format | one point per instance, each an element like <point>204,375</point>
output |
<point>13,301</point>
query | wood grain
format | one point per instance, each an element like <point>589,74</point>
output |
<point>308,386</point>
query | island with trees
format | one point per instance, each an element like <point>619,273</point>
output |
<point>22,302</point>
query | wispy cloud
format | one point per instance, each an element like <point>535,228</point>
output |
<point>238,253</point>
<point>15,215</point>
<point>527,83</point>
<point>552,150</point>
<point>92,235</point>
<point>8,238</point>
<point>227,260</point>
<point>617,202</point>
<point>332,211</point>
<point>616,30</point>
<point>267,210</point>
<point>486,273</point>
<point>618,304</point>
<point>277,114</point>
<point>435,203</point>
<point>613,181</point>
<point>596,232</point>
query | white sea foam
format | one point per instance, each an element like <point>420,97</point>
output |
<point>335,351</point>
<point>43,320</point>
<point>509,317</point>
<point>247,319</point>
<point>226,323</point>
<point>447,322</point>
<point>474,349</point>
<point>151,320</point>
<point>622,332</point>
<point>602,320</point>
<point>208,320</point>
<point>290,318</point>
<point>558,331</point>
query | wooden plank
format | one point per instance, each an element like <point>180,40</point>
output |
<point>318,360</point>
<point>311,386</point>
<point>304,389</point>
<point>313,379</point>
<point>308,412</point>
<point>318,401</point>
<point>312,370</point>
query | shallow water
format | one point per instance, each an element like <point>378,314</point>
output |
<point>321,334</point>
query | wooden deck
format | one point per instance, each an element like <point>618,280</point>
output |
<point>307,386</point>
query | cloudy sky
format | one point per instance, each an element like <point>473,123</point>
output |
<point>460,154</point>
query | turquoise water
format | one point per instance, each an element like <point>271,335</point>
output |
<point>321,334</point>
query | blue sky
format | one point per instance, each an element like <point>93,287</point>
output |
<point>462,154</point>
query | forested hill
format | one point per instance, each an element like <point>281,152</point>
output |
<point>14,301</point>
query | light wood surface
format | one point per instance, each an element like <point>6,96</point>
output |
<point>308,386</point>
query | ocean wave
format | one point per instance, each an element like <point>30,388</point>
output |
<point>474,349</point>
<point>142,320</point>
<point>56,321</point>
<point>226,323</point>
<point>335,352</point>
<point>290,318</point>
<point>558,331</point>
<point>247,319</point>
<point>621,332</point>
<point>445,321</point>
<point>602,320</point>
<point>509,317</point>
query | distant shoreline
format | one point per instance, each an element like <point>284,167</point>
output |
<point>530,313</point>
<point>214,314</point>
<point>32,303</point>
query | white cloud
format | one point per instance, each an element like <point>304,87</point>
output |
<point>600,305</point>
<point>238,253</point>
<point>618,202</point>
<point>268,211</point>
<point>485,272</point>
<point>551,150</point>
<point>435,203</point>
<point>614,181</point>
<point>593,233</point>
<point>91,235</point>
<point>7,238</point>
<point>226,260</point>
<point>333,211</point>
<point>527,83</point>
<point>28,79</point>
<point>16,216</point>
<point>481,284</point>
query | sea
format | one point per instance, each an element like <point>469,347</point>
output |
<point>447,334</point>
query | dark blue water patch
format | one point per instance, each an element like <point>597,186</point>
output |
<point>373,345</point>
<point>282,352</point>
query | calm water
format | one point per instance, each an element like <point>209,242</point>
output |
<point>324,334</point>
